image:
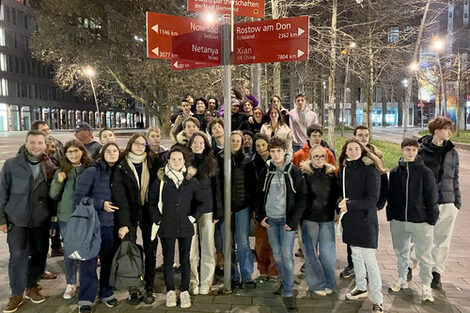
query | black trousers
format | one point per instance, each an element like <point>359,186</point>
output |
<point>168,248</point>
<point>150,251</point>
<point>28,252</point>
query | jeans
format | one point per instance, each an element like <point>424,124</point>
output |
<point>168,248</point>
<point>88,281</point>
<point>203,234</point>
<point>320,255</point>
<point>219,237</point>
<point>282,243</point>
<point>422,234</point>
<point>264,253</point>
<point>107,251</point>
<point>362,258</point>
<point>243,265</point>
<point>442,235</point>
<point>70,265</point>
<point>28,252</point>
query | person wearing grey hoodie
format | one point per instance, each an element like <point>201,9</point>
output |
<point>279,205</point>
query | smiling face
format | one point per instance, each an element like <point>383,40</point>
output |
<point>190,128</point>
<point>176,161</point>
<point>186,107</point>
<point>200,107</point>
<point>212,104</point>
<point>274,116</point>
<point>198,145</point>
<point>139,146</point>
<point>247,107</point>
<point>107,136</point>
<point>258,115</point>
<point>35,144</point>
<point>74,155</point>
<point>353,151</point>
<point>111,155</point>
<point>248,141</point>
<point>276,103</point>
<point>235,143</point>
<point>318,157</point>
<point>235,108</point>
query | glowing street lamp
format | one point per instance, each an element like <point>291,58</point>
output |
<point>345,51</point>
<point>438,45</point>
<point>90,73</point>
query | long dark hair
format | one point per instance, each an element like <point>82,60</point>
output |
<point>65,165</point>
<point>280,119</point>
<point>101,155</point>
<point>150,154</point>
<point>209,165</point>
<point>343,156</point>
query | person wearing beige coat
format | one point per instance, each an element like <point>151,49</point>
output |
<point>277,128</point>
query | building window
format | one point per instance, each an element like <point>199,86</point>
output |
<point>13,16</point>
<point>12,88</point>
<point>4,87</point>
<point>24,90</point>
<point>393,34</point>
<point>3,62</point>
<point>2,36</point>
<point>2,15</point>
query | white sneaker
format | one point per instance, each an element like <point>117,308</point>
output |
<point>170,299</point>
<point>194,290</point>
<point>185,299</point>
<point>356,294</point>
<point>328,291</point>
<point>69,291</point>
<point>321,293</point>
<point>427,293</point>
<point>204,290</point>
<point>399,284</point>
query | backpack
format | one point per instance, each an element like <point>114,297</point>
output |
<point>82,238</point>
<point>127,268</point>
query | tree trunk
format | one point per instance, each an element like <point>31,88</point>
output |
<point>277,65</point>
<point>332,78</point>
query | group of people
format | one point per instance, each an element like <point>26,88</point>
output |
<point>283,174</point>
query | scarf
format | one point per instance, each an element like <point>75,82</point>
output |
<point>176,176</point>
<point>144,180</point>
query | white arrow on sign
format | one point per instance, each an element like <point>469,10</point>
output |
<point>156,50</point>
<point>300,31</point>
<point>176,64</point>
<point>300,53</point>
<point>155,28</point>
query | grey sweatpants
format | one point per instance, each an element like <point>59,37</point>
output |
<point>422,234</point>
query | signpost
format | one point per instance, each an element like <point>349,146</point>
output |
<point>250,8</point>
<point>161,28</point>
<point>202,46</point>
<point>278,40</point>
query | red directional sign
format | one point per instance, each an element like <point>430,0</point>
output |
<point>162,27</point>
<point>184,64</point>
<point>278,40</point>
<point>251,8</point>
<point>199,46</point>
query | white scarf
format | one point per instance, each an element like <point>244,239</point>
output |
<point>176,176</point>
<point>144,180</point>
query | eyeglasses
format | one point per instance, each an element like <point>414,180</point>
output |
<point>318,157</point>
<point>142,144</point>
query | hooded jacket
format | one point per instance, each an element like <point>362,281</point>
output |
<point>362,187</point>
<point>412,193</point>
<point>444,163</point>
<point>178,204</point>
<point>243,184</point>
<point>322,192</point>
<point>95,182</point>
<point>24,201</point>
<point>295,193</point>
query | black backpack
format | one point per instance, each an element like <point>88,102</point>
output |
<point>127,268</point>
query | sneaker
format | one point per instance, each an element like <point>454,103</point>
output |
<point>436,281</point>
<point>204,290</point>
<point>84,309</point>
<point>288,303</point>
<point>170,299</point>
<point>69,291</point>
<point>378,307</point>
<point>194,290</point>
<point>399,284</point>
<point>347,273</point>
<point>185,299</point>
<point>328,291</point>
<point>133,296</point>
<point>34,295</point>
<point>278,289</point>
<point>356,294</point>
<point>409,276</point>
<point>48,275</point>
<point>14,303</point>
<point>427,293</point>
<point>248,285</point>
<point>111,303</point>
<point>321,293</point>
<point>149,298</point>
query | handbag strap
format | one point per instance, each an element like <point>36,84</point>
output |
<point>344,182</point>
<point>160,199</point>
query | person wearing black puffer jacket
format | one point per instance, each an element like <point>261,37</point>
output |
<point>318,232</point>
<point>205,164</point>
<point>439,154</point>
<point>412,211</point>
<point>359,182</point>
<point>95,181</point>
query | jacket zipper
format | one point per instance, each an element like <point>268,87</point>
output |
<point>406,193</point>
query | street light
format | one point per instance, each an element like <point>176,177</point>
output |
<point>345,51</point>
<point>90,72</point>
<point>438,45</point>
<point>405,83</point>
<point>414,67</point>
